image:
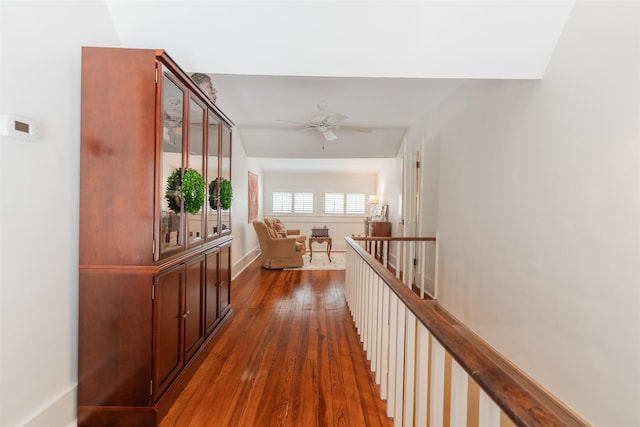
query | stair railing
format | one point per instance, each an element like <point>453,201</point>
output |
<point>430,369</point>
<point>413,259</point>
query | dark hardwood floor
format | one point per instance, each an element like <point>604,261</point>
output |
<point>289,356</point>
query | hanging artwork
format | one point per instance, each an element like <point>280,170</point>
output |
<point>253,197</point>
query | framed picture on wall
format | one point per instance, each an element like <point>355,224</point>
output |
<point>253,197</point>
<point>384,212</point>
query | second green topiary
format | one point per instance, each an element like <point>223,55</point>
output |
<point>220,191</point>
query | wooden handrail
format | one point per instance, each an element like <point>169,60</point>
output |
<point>395,239</point>
<point>525,402</point>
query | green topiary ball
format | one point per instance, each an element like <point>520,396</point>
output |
<point>188,187</point>
<point>220,191</point>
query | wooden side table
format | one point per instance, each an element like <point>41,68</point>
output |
<point>313,240</point>
<point>377,229</point>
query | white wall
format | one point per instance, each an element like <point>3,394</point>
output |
<point>41,53</point>
<point>245,242</point>
<point>539,210</point>
<point>389,190</point>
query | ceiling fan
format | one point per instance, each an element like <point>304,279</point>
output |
<point>325,124</point>
<point>172,120</point>
<point>173,112</point>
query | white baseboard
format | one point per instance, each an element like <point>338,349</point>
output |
<point>244,262</point>
<point>59,411</point>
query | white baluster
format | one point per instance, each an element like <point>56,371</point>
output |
<point>399,362</point>
<point>436,401</point>
<point>379,329</point>
<point>409,369</point>
<point>393,353</point>
<point>384,343</point>
<point>422,376</point>
<point>459,390</point>
<point>489,412</point>
<point>369,308</point>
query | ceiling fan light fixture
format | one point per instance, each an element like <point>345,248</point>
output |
<point>329,135</point>
<point>318,119</point>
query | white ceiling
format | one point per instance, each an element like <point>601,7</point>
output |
<point>384,64</point>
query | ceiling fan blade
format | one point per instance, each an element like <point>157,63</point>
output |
<point>329,135</point>
<point>303,128</point>
<point>356,129</point>
<point>294,122</point>
<point>336,118</point>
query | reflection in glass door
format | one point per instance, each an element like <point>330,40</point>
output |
<point>226,198</point>
<point>195,161</point>
<point>213,140</point>
<point>171,217</point>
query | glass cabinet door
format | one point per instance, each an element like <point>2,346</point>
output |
<point>194,201</point>
<point>213,143</point>
<point>226,198</point>
<point>171,163</point>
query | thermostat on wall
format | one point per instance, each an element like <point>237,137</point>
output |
<point>18,127</point>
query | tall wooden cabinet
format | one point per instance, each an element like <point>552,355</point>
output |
<point>155,263</point>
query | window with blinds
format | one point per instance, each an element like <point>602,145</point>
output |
<point>282,202</point>
<point>355,203</point>
<point>303,203</point>
<point>333,203</point>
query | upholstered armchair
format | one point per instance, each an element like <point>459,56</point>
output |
<point>279,228</point>
<point>278,252</point>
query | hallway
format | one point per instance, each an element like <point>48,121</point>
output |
<point>289,356</point>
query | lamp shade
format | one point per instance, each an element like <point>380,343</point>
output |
<point>373,199</point>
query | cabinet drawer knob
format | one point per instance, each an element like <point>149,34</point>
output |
<point>186,314</point>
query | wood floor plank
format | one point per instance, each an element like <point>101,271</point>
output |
<point>290,356</point>
<point>272,361</point>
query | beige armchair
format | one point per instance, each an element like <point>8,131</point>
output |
<point>277,226</point>
<point>278,252</point>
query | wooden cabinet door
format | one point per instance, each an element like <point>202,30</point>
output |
<point>225,279</point>
<point>168,352</point>
<point>193,308</point>
<point>211,312</point>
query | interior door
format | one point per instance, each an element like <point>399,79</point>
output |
<point>411,208</point>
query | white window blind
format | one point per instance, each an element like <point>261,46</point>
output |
<point>281,201</point>
<point>334,203</point>
<point>303,203</point>
<point>355,203</point>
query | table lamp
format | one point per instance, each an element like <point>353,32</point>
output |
<point>373,201</point>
